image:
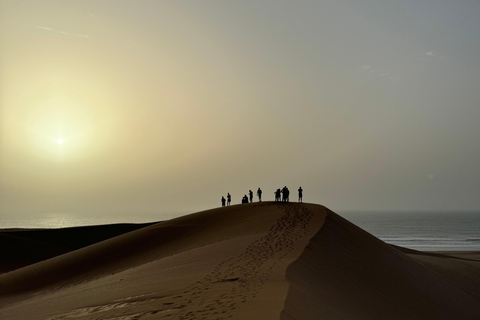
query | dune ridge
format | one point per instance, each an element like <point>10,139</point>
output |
<point>252,261</point>
<point>22,247</point>
<point>225,261</point>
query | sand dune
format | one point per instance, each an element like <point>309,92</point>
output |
<point>460,268</point>
<point>22,247</point>
<point>255,261</point>
<point>345,273</point>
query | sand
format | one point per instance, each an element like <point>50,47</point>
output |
<point>22,247</point>
<point>253,261</point>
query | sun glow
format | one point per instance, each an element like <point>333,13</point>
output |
<point>58,128</point>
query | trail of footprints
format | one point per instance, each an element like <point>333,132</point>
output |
<point>215,296</point>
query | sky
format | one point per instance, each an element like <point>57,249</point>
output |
<point>165,106</point>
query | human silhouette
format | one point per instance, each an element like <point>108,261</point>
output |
<point>250,193</point>
<point>245,199</point>
<point>223,201</point>
<point>229,199</point>
<point>285,194</point>
<point>300,194</point>
<point>277,195</point>
<point>259,194</point>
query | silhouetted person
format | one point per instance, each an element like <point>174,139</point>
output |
<point>245,199</point>
<point>259,194</point>
<point>229,199</point>
<point>223,201</point>
<point>250,193</point>
<point>285,194</point>
<point>277,195</point>
<point>300,194</point>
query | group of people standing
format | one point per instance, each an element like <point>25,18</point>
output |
<point>245,198</point>
<point>280,195</point>
<point>229,199</point>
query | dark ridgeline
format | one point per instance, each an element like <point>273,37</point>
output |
<point>22,247</point>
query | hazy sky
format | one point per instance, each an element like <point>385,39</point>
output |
<point>165,106</point>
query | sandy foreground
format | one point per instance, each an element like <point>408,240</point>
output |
<point>253,261</point>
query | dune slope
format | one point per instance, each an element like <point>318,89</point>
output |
<point>226,262</point>
<point>254,261</point>
<point>346,273</point>
<point>22,247</point>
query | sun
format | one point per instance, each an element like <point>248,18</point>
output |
<point>59,140</point>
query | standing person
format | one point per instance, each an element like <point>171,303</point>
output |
<point>250,193</point>
<point>277,195</point>
<point>300,194</point>
<point>284,194</point>
<point>229,199</point>
<point>223,201</point>
<point>259,194</point>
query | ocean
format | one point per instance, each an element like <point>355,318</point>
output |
<point>424,231</point>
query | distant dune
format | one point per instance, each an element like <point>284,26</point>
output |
<point>253,261</point>
<point>21,247</point>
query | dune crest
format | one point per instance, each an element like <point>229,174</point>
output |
<point>218,263</point>
<point>252,261</point>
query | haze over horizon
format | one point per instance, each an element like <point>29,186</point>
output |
<point>167,106</point>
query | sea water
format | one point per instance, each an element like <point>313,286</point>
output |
<point>425,231</point>
<point>66,220</point>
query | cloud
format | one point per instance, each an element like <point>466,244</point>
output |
<point>366,68</point>
<point>371,71</point>
<point>44,28</point>
<point>430,54</point>
<point>62,32</point>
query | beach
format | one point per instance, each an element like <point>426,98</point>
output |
<point>252,261</point>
